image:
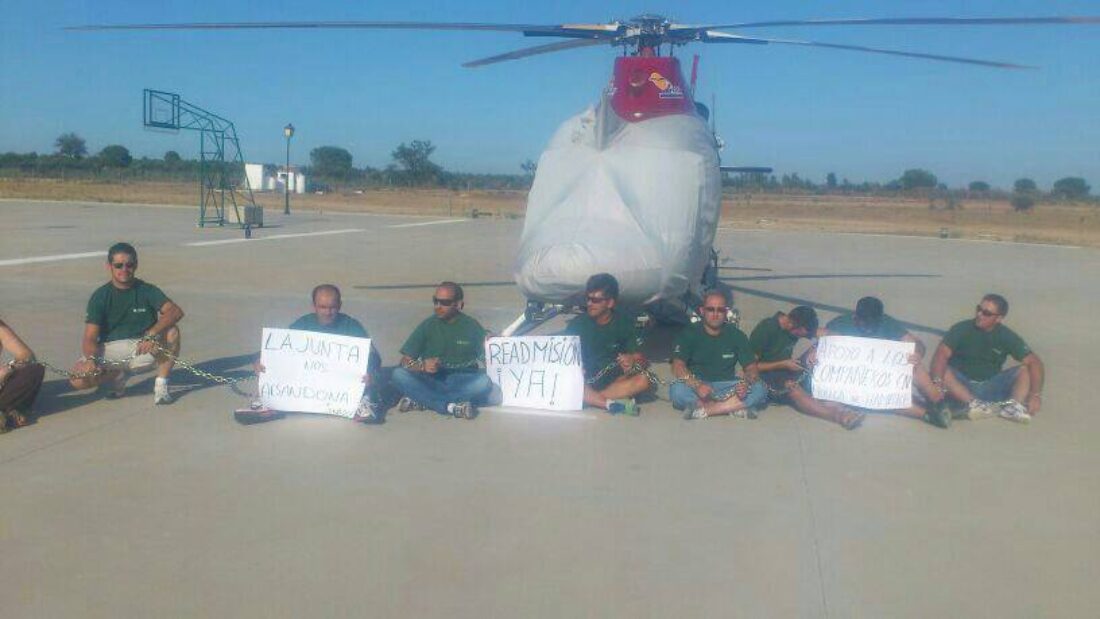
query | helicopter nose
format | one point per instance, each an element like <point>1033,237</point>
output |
<point>557,273</point>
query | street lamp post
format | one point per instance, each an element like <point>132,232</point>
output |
<point>288,131</point>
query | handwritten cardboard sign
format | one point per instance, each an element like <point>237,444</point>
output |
<point>864,372</point>
<point>311,372</point>
<point>537,371</point>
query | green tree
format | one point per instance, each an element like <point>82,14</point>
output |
<point>415,162</point>
<point>1070,188</point>
<point>172,157</point>
<point>979,187</point>
<point>115,156</point>
<point>71,145</point>
<point>529,167</point>
<point>1025,185</point>
<point>830,180</point>
<point>917,179</point>
<point>330,162</point>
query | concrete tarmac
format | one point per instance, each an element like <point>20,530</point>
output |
<point>117,508</point>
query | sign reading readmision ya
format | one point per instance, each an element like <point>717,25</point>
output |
<point>537,371</point>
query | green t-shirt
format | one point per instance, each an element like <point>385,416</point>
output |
<point>980,355</point>
<point>459,344</point>
<point>342,325</point>
<point>124,314</point>
<point>602,344</point>
<point>713,357</point>
<point>770,342</point>
<point>888,328</point>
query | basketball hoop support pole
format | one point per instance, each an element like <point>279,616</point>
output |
<point>221,162</point>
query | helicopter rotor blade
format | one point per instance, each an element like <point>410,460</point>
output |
<point>711,36</point>
<point>898,21</point>
<point>536,50</point>
<point>567,30</point>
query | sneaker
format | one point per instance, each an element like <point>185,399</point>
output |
<point>1014,411</point>
<point>160,394</point>
<point>624,406</point>
<point>938,415</point>
<point>745,413</point>
<point>256,413</point>
<point>465,410</point>
<point>406,404</point>
<point>366,412</point>
<point>117,388</point>
<point>695,413</point>
<point>980,409</point>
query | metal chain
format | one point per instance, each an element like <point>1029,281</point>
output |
<point>636,368</point>
<point>718,397</point>
<point>418,364</point>
<point>103,365</point>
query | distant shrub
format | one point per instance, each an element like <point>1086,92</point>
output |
<point>1022,202</point>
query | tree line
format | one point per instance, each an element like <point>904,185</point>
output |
<point>332,168</point>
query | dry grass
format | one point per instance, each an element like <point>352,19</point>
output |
<point>1072,224</point>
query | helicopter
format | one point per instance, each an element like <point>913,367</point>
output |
<point>632,186</point>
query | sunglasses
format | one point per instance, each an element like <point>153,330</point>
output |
<point>443,302</point>
<point>594,300</point>
<point>715,310</point>
<point>124,265</point>
<point>984,312</point>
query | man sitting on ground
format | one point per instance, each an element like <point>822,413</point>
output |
<point>871,321</point>
<point>327,318</point>
<point>772,342</point>
<point>129,327</point>
<point>20,380</point>
<point>704,362</point>
<point>439,363</point>
<point>609,349</point>
<point>968,365</point>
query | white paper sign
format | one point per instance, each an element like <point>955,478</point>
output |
<point>309,372</point>
<point>864,372</point>
<point>537,371</point>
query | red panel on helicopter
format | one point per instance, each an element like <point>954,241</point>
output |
<point>648,87</point>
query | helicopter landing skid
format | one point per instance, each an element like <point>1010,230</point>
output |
<point>533,315</point>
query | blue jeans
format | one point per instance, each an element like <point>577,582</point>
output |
<point>995,389</point>
<point>684,397</point>
<point>436,391</point>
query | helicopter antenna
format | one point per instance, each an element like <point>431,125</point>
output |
<point>694,73</point>
<point>713,113</point>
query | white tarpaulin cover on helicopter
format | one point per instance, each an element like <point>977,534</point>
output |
<point>638,200</point>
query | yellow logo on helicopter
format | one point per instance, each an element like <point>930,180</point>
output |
<point>659,81</point>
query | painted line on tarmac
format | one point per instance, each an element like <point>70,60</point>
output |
<point>532,412</point>
<point>274,237</point>
<point>429,223</point>
<point>54,258</point>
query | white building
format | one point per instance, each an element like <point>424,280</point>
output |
<point>260,178</point>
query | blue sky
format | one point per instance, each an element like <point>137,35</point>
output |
<point>865,117</point>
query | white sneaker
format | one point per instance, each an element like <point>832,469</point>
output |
<point>366,413</point>
<point>980,409</point>
<point>465,410</point>
<point>160,393</point>
<point>745,413</point>
<point>1014,411</point>
<point>695,413</point>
